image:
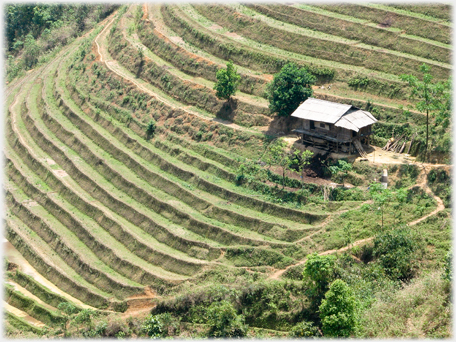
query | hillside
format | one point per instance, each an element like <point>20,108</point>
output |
<point>132,189</point>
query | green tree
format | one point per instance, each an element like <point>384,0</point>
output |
<point>319,271</point>
<point>397,251</point>
<point>432,97</point>
<point>227,81</point>
<point>302,160</point>
<point>383,197</point>
<point>151,127</point>
<point>448,270</point>
<point>342,167</point>
<point>224,322</point>
<point>68,310</point>
<point>339,311</point>
<point>279,155</point>
<point>289,88</point>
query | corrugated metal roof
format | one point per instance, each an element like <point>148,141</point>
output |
<point>320,110</point>
<point>341,115</point>
<point>356,119</point>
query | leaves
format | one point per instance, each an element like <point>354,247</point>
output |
<point>338,311</point>
<point>289,88</point>
<point>227,81</point>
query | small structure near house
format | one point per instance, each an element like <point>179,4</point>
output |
<point>334,126</point>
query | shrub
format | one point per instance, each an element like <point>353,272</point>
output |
<point>151,127</point>
<point>304,329</point>
<point>396,251</point>
<point>152,327</point>
<point>224,322</point>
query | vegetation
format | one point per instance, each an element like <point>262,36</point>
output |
<point>433,97</point>
<point>289,88</point>
<point>227,81</point>
<point>338,311</point>
<point>130,186</point>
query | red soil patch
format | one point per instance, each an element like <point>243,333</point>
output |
<point>215,27</point>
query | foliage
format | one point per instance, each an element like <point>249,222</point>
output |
<point>224,322</point>
<point>383,197</point>
<point>304,329</point>
<point>319,271</point>
<point>152,327</point>
<point>227,81</point>
<point>338,311</point>
<point>277,154</point>
<point>289,88</point>
<point>342,167</point>
<point>448,268</point>
<point>397,251</point>
<point>302,160</point>
<point>432,97</point>
<point>151,127</point>
<point>68,310</point>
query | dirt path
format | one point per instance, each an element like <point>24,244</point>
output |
<point>421,182</point>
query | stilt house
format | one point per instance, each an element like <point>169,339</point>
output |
<point>334,126</point>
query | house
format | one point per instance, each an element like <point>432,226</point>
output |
<point>333,126</point>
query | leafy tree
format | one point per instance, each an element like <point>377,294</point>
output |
<point>289,88</point>
<point>342,167</point>
<point>432,97</point>
<point>397,252</point>
<point>227,81</point>
<point>224,322</point>
<point>319,271</point>
<point>152,327</point>
<point>277,154</point>
<point>383,197</point>
<point>151,127</point>
<point>302,159</point>
<point>339,311</point>
<point>67,310</point>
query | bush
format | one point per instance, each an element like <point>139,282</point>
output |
<point>224,322</point>
<point>304,329</point>
<point>396,251</point>
<point>289,88</point>
<point>152,327</point>
<point>151,127</point>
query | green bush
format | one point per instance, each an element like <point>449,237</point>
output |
<point>152,327</point>
<point>304,329</point>
<point>224,322</point>
<point>397,250</point>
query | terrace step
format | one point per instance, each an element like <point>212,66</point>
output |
<point>45,261</point>
<point>69,247</point>
<point>21,301</point>
<point>22,320</point>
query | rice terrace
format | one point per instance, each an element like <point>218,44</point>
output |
<point>238,170</point>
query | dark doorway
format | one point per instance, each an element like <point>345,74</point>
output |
<point>312,124</point>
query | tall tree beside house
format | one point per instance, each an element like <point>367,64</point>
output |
<point>432,97</point>
<point>289,88</point>
<point>227,81</point>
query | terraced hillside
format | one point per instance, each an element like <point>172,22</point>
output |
<point>106,215</point>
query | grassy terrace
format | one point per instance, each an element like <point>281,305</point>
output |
<point>303,16</point>
<point>307,42</point>
<point>414,24</point>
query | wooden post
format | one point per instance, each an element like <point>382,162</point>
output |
<point>350,149</point>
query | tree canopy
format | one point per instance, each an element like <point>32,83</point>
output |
<point>227,81</point>
<point>338,311</point>
<point>289,88</point>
